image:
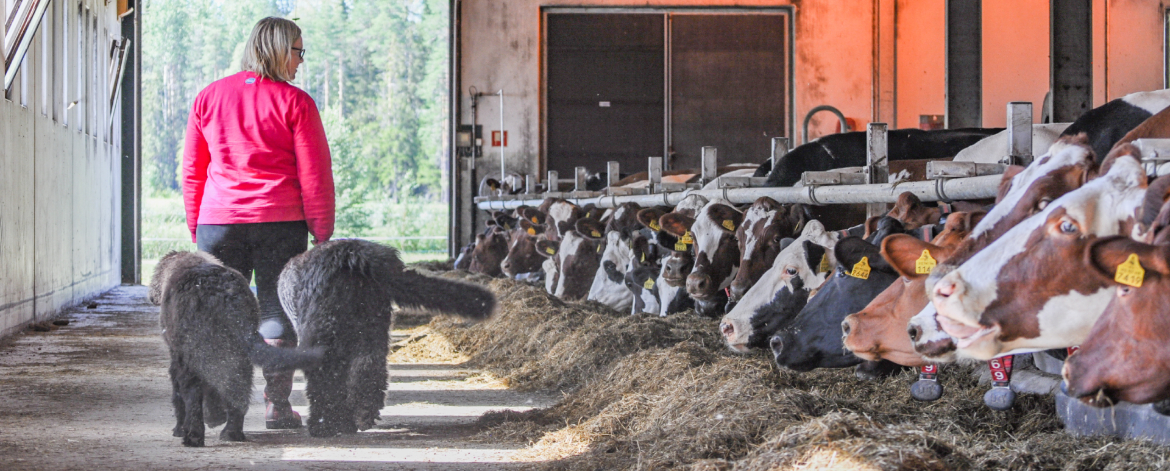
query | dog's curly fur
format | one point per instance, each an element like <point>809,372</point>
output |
<point>341,296</point>
<point>209,317</point>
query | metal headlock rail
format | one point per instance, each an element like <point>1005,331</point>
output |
<point>947,181</point>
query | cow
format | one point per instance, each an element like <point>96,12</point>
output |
<point>609,286</point>
<point>878,332</point>
<point>1124,357</point>
<point>522,256</point>
<point>1024,291</point>
<point>548,249</point>
<point>578,258</point>
<point>782,291</point>
<point>813,338</point>
<point>1023,192</point>
<point>490,249</point>
<point>677,259</point>
<point>715,249</point>
<point>992,149</point>
<point>848,150</point>
<point>562,216</point>
<point>764,225</point>
<point>1107,124</point>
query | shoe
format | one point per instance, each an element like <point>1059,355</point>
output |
<point>278,412</point>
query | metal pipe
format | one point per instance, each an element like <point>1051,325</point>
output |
<point>808,117</point>
<point>503,136</point>
<point>931,190</point>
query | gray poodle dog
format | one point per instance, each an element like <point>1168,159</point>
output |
<point>209,317</point>
<point>341,296</point>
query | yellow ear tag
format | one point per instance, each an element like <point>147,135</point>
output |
<point>643,257</point>
<point>649,284</point>
<point>534,221</point>
<point>925,263</point>
<point>550,251</point>
<point>687,238</point>
<point>596,234</point>
<point>861,269</point>
<point>729,224</point>
<point>824,266</point>
<point>654,226</point>
<point>1130,272</point>
<point>598,248</point>
<point>680,247</point>
<point>531,231</point>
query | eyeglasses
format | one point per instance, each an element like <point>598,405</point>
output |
<point>300,52</point>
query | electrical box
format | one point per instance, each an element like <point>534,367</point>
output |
<point>469,140</point>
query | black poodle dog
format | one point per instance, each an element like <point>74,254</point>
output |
<point>341,296</point>
<point>209,317</point>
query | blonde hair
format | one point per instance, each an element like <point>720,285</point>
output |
<point>269,49</point>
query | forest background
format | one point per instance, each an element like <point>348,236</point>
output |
<point>377,70</point>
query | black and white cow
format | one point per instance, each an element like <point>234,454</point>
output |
<point>848,150</point>
<point>782,291</point>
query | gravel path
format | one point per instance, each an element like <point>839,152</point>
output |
<point>95,395</point>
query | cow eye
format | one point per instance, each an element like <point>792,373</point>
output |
<point>1043,204</point>
<point>790,271</point>
<point>1123,290</point>
<point>1068,227</point>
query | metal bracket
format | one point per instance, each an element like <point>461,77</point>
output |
<point>946,169</point>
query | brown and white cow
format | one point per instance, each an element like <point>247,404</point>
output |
<point>522,256</point>
<point>711,234</point>
<point>1023,193</point>
<point>878,332</point>
<point>1027,291</point>
<point>562,216</point>
<point>609,285</point>
<point>490,249</point>
<point>1125,357</point>
<point>578,257</point>
<point>764,225</point>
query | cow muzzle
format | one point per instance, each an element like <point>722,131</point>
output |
<point>699,285</point>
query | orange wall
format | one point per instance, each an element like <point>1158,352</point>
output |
<point>922,60</point>
<point>1015,57</point>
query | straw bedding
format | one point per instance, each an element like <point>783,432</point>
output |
<point>642,392</point>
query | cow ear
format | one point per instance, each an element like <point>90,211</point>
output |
<point>504,220</point>
<point>724,216</point>
<point>547,248</point>
<point>531,229</point>
<point>870,226</point>
<point>534,216</point>
<point>590,228</point>
<point>1107,254</point>
<point>911,257</point>
<point>649,217</point>
<point>1005,182</point>
<point>813,255</point>
<point>907,203</point>
<point>850,250</point>
<point>676,224</point>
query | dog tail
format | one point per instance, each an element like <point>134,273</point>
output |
<point>411,289</point>
<point>272,358</point>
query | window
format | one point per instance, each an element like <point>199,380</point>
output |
<point>21,19</point>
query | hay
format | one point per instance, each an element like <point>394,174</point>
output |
<point>649,393</point>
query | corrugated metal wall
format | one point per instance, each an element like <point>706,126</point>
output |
<point>60,176</point>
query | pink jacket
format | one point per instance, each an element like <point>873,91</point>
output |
<point>256,152</point>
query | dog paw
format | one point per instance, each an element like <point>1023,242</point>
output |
<point>193,441</point>
<point>178,432</point>
<point>232,436</point>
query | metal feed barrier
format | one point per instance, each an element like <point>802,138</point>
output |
<point>947,181</point>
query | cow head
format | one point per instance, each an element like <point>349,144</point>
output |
<point>878,332</point>
<point>522,256</point>
<point>609,282</point>
<point>1024,192</point>
<point>548,249</point>
<point>813,339</point>
<point>562,216</point>
<point>716,250</point>
<point>676,236</point>
<point>764,225</point>
<point>1124,357</point>
<point>913,214</point>
<point>578,259</point>
<point>782,291</point>
<point>642,281</point>
<point>1027,290</point>
<point>490,249</point>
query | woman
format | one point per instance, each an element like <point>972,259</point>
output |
<point>257,179</point>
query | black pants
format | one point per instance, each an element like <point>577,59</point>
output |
<point>260,248</point>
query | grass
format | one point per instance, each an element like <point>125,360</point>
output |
<point>164,228</point>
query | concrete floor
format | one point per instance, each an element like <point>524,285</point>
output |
<point>95,395</point>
